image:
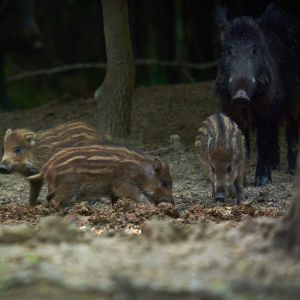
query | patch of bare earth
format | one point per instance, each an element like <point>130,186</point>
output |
<point>199,249</point>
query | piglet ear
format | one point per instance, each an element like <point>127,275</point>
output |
<point>8,133</point>
<point>30,138</point>
<point>154,167</point>
<point>149,170</point>
<point>220,18</point>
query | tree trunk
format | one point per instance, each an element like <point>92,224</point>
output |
<point>287,233</point>
<point>115,93</point>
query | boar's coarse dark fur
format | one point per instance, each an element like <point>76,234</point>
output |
<point>258,81</point>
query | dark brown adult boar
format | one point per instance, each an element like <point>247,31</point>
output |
<point>87,173</point>
<point>258,82</point>
<point>26,151</point>
<point>220,147</point>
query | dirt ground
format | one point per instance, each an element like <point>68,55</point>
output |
<point>199,249</point>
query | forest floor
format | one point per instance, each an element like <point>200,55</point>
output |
<point>199,249</point>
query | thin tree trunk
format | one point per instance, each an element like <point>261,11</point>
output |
<point>287,233</point>
<point>115,93</point>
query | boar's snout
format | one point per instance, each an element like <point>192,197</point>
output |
<point>240,98</point>
<point>220,196</point>
<point>4,169</point>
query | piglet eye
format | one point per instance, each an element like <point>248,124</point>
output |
<point>254,51</point>
<point>18,149</point>
<point>228,51</point>
<point>165,184</point>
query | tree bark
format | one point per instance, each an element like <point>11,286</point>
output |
<point>115,93</point>
<point>287,233</point>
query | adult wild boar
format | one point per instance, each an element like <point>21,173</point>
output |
<point>258,81</point>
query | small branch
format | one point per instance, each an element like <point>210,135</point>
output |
<point>56,70</point>
<point>139,62</point>
<point>179,64</point>
<point>188,75</point>
<point>160,151</point>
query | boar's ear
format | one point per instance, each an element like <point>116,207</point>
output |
<point>30,138</point>
<point>271,13</point>
<point>8,133</point>
<point>220,18</point>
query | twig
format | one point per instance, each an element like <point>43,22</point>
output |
<point>160,151</point>
<point>139,62</point>
<point>188,65</point>
<point>188,75</point>
<point>56,70</point>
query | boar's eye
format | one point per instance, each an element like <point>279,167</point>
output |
<point>18,150</point>
<point>229,168</point>
<point>164,184</point>
<point>254,51</point>
<point>228,51</point>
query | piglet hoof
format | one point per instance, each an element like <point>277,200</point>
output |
<point>261,180</point>
<point>262,175</point>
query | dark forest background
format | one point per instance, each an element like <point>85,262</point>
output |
<point>168,30</point>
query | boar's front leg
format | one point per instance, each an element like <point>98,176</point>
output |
<point>267,147</point>
<point>239,188</point>
<point>35,185</point>
<point>34,191</point>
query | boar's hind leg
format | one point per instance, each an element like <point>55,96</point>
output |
<point>267,148</point>
<point>292,136</point>
<point>129,190</point>
<point>274,149</point>
<point>246,133</point>
<point>67,194</point>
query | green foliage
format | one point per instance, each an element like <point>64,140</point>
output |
<point>27,95</point>
<point>70,2</point>
<point>32,258</point>
<point>156,76</point>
